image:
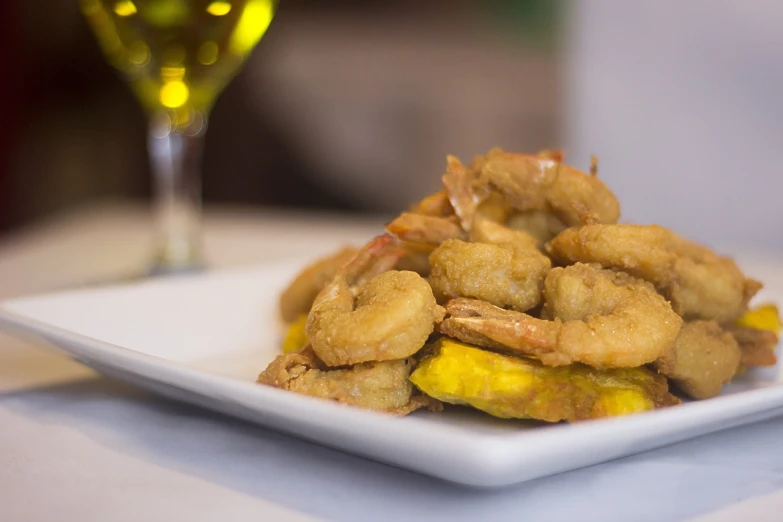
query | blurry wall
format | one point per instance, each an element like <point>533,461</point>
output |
<point>375,101</point>
<point>681,101</point>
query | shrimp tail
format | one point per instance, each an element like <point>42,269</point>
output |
<point>380,255</point>
<point>483,324</point>
<point>457,182</point>
<point>420,228</point>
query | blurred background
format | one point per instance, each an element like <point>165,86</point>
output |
<point>352,105</point>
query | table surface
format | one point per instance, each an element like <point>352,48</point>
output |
<point>77,446</point>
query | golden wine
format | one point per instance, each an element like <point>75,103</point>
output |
<point>178,54</point>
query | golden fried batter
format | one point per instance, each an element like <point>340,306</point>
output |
<point>699,284</point>
<point>416,258</point>
<point>704,358</point>
<point>512,387</point>
<point>488,231</point>
<point>436,204</point>
<point>503,275</point>
<point>500,184</point>
<point>757,346</point>
<point>382,386</point>
<point>600,318</point>
<point>420,228</point>
<point>361,316</point>
<point>536,182</point>
<point>391,318</point>
<point>540,224</point>
<point>297,299</point>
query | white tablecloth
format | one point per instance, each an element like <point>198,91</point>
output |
<point>77,446</point>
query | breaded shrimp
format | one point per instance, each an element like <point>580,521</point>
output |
<point>420,234</point>
<point>508,270</point>
<point>486,231</point>
<point>538,186</point>
<point>540,224</point>
<point>426,225</point>
<point>757,346</point>
<point>535,182</point>
<point>600,318</point>
<point>699,283</point>
<point>424,229</point>
<point>298,297</point>
<point>382,386</point>
<point>704,358</point>
<point>369,314</point>
<point>436,204</point>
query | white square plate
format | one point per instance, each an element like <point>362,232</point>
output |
<point>203,339</point>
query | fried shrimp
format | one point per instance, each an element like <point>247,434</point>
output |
<point>600,318</point>
<point>757,346</point>
<point>538,223</point>
<point>486,231</point>
<point>536,191</point>
<point>457,182</point>
<point>369,314</point>
<point>298,297</point>
<point>505,268</point>
<point>536,182</point>
<point>420,235</point>
<point>699,283</point>
<point>426,225</point>
<point>557,155</point>
<point>424,229</point>
<point>382,386</point>
<point>436,204</point>
<point>704,358</point>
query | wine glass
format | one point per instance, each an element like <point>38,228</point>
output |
<point>178,55</point>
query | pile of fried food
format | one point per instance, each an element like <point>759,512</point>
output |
<point>514,290</point>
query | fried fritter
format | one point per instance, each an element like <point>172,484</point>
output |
<point>382,386</point>
<point>502,274</point>
<point>512,387</point>
<point>757,346</point>
<point>704,358</point>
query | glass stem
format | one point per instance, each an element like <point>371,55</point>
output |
<point>175,156</point>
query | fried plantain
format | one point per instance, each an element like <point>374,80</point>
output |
<point>514,387</point>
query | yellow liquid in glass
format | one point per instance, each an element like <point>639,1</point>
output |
<point>178,54</point>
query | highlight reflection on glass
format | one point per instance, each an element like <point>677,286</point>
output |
<point>178,55</point>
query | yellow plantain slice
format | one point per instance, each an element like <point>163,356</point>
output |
<point>512,387</point>
<point>295,336</point>
<point>764,317</point>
